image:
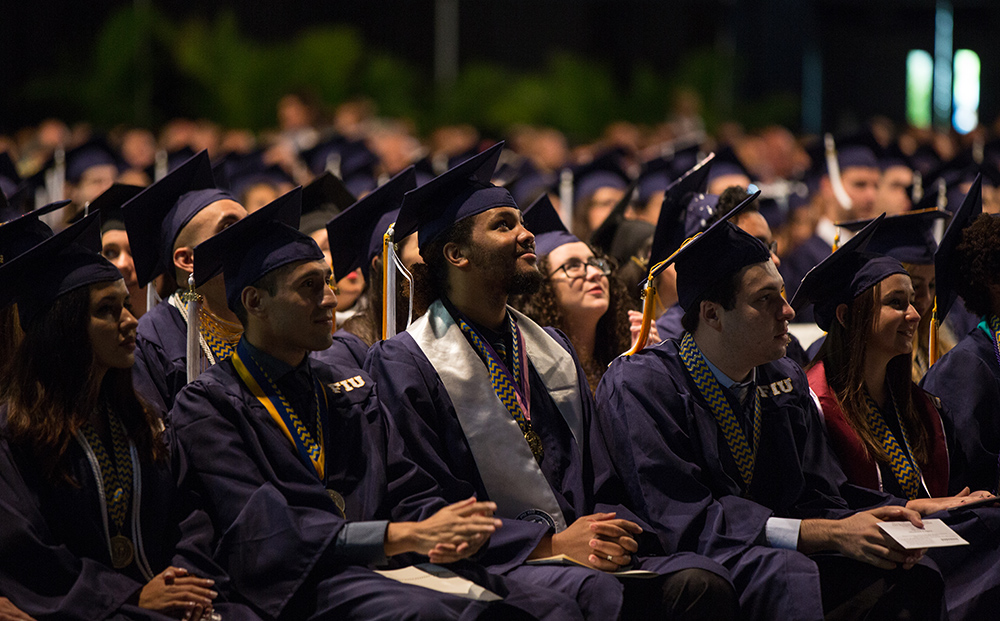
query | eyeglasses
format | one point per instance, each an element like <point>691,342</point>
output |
<point>576,268</point>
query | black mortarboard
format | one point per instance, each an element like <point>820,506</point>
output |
<point>725,164</point>
<point>256,245</point>
<point>173,160</point>
<point>908,237</point>
<point>653,177</point>
<point>54,267</point>
<point>322,199</point>
<point>462,192</point>
<point>542,219</point>
<point>684,205</point>
<point>356,233</point>
<point>25,232</point>
<point>604,235</point>
<point>605,170</point>
<point>945,261</point>
<point>722,250</point>
<point>109,204</point>
<point>844,275</point>
<point>156,215</point>
<point>93,153</point>
<point>352,160</point>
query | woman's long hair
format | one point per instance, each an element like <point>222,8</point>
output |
<point>366,324</point>
<point>52,389</point>
<point>843,354</point>
<point>613,335</point>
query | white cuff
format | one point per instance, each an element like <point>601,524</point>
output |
<point>782,533</point>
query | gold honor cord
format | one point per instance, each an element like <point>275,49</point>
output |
<point>287,420</point>
<point>743,453</point>
<point>117,480</point>
<point>904,467</point>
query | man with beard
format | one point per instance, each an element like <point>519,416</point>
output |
<point>497,407</point>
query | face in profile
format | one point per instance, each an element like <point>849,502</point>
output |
<point>757,326</point>
<point>111,328</point>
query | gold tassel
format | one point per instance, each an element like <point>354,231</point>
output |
<point>932,346</point>
<point>386,290</point>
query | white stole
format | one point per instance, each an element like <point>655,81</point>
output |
<point>506,465</point>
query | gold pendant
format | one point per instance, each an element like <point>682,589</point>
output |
<point>339,501</point>
<point>535,444</point>
<point>122,552</point>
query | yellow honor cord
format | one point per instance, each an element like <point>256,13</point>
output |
<point>251,383</point>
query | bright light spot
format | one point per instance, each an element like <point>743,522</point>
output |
<point>919,86</point>
<point>965,92</point>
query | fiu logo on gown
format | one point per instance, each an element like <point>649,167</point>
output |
<point>775,388</point>
<point>348,384</point>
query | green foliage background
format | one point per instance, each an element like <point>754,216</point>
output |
<point>145,69</point>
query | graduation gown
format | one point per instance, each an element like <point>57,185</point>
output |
<point>967,381</point>
<point>347,349</point>
<point>668,325</point>
<point>278,526</point>
<point>972,573</point>
<point>56,563</point>
<point>859,467</point>
<point>576,468</point>
<point>160,369</point>
<point>683,481</point>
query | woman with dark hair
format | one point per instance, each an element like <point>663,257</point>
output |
<point>887,432</point>
<point>580,294</point>
<point>91,526</point>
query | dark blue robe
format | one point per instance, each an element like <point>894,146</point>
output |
<point>277,524</point>
<point>682,479</point>
<point>160,369</point>
<point>55,562</point>
<point>425,415</point>
<point>668,325</point>
<point>347,349</point>
<point>967,380</point>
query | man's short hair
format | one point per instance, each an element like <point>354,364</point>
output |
<point>435,265</point>
<point>269,283</point>
<point>723,293</point>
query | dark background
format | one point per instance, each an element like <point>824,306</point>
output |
<point>861,44</point>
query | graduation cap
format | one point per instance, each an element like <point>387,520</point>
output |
<point>167,162</point>
<point>352,161</point>
<point>25,232</point>
<point>54,267</point>
<point>322,199</point>
<point>844,275</point>
<point>945,261</point>
<point>462,192</point>
<point>685,210</point>
<point>702,262</point>
<point>258,244</point>
<point>714,255</point>
<point>603,171</point>
<point>654,176</point>
<point>155,216</point>
<point>356,233</point>
<point>727,164</point>
<point>93,153</point>
<point>908,237</point>
<point>109,205</point>
<point>542,219</point>
<point>237,173</point>
<point>604,236</point>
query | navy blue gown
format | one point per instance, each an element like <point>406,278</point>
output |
<point>55,562</point>
<point>160,369</point>
<point>581,478</point>
<point>277,525</point>
<point>682,479</point>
